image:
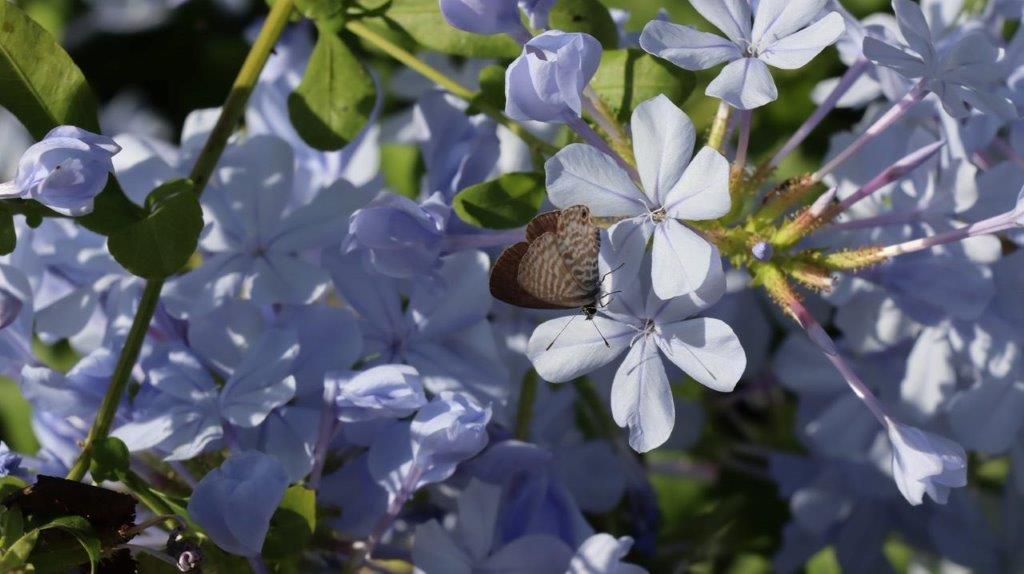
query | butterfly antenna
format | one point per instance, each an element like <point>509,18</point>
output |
<point>562,330</point>
<point>606,344</point>
<point>610,271</point>
<point>609,295</point>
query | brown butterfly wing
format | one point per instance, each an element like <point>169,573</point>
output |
<point>544,274</point>
<point>543,223</point>
<point>505,280</point>
<point>579,242</point>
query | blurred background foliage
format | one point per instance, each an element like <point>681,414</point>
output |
<point>729,520</point>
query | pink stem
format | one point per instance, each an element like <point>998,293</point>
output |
<point>915,95</point>
<point>852,74</point>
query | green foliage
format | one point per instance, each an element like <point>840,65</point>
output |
<point>9,485</point>
<point>492,89</point>
<point>628,78</point>
<point>587,16</point>
<point>402,166</point>
<point>292,525</point>
<point>16,419</point>
<point>335,98</point>
<point>76,544</point>
<point>161,243</point>
<point>109,459</point>
<point>319,9</point>
<point>38,81</point>
<point>423,22</point>
<point>504,203</point>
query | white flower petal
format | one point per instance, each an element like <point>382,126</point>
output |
<point>680,260</point>
<point>663,139</point>
<point>582,175</point>
<point>706,349</point>
<point>703,190</point>
<point>744,84</point>
<point>579,349</point>
<point>685,47</point>
<point>642,399</point>
<point>795,50</point>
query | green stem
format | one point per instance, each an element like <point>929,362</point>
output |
<point>231,113</point>
<point>434,75</point>
<point>524,411</point>
<point>141,489</point>
<point>716,139</point>
<point>234,106</point>
<point>119,380</point>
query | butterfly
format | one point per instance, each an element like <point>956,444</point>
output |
<point>556,267</point>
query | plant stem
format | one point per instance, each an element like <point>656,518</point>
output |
<point>119,381</point>
<point>716,139</point>
<point>884,122</point>
<point>524,410</point>
<point>456,89</point>
<point>234,107</point>
<point>849,78</point>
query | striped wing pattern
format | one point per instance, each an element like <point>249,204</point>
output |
<point>579,241</point>
<point>556,267</point>
<point>544,274</point>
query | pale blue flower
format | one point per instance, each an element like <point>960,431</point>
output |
<point>65,171</point>
<point>234,503</point>
<point>785,34</point>
<point>10,462</point>
<point>386,391</point>
<point>546,82</point>
<point>923,462</point>
<point>397,237</point>
<point>963,73</point>
<point>673,188</point>
<point>638,320</point>
<point>484,16</point>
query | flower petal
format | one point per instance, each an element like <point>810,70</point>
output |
<point>663,139</point>
<point>680,260</point>
<point>579,349</point>
<point>795,50</point>
<point>703,190</point>
<point>642,399</point>
<point>745,84</point>
<point>685,47</point>
<point>583,175</point>
<point>706,349</point>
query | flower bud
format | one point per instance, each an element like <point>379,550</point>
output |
<point>545,83</point>
<point>925,462</point>
<point>385,391</point>
<point>449,429</point>
<point>398,237</point>
<point>483,16</point>
<point>64,171</point>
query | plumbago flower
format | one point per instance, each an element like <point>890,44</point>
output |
<point>785,34</point>
<point>962,72</point>
<point>639,321</point>
<point>65,171</point>
<point>546,82</point>
<point>674,188</point>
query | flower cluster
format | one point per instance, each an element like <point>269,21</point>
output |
<point>326,382</point>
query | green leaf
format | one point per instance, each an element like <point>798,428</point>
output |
<point>109,460</point>
<point>9,485</point>
<point>53,555</point>
<point>319,9</point>
<point>112,211</point>
<point>39,83</point>
<point>292,525</point>
<point>587,16</point>
<point>17,555</point>
<point>492,89</point>
<point>160,244</point>
<point>510,201</point>
<point>402,166</point>
<point>12,527</point>
<point>627,78</point>
<point>335,98</point>
<point>423,21</point>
